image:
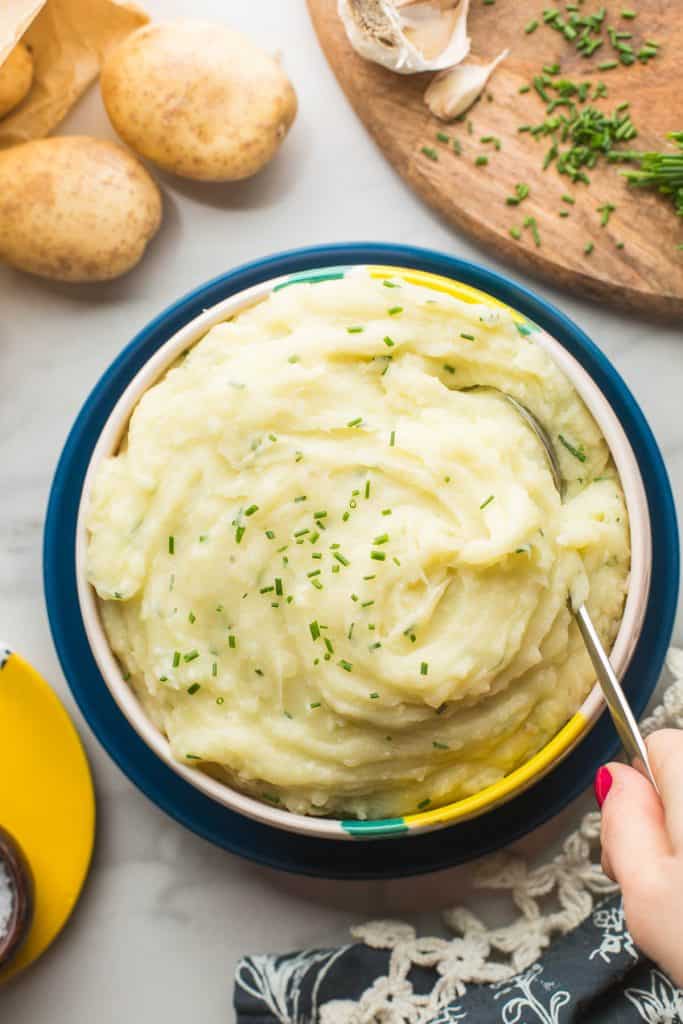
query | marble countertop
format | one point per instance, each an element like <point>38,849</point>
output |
<point>164,914</point>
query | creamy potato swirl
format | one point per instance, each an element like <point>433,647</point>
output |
<point>336,576</point>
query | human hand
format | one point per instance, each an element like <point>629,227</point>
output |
<point>642,847</point>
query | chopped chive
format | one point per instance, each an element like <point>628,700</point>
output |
<point>315,704</point>
<point>367,488</point>
<point>524,89</point>
<point>442,137</point>
<point>355,423</point>
<point>317,584</point>
<point>287,715</point>
<point>588,248</point>
<point>258,671</point>
<point>448,368</point>
<point>302,532</point>
<point>345,516</point>
<point>346,665</point>
<point>316,554</point>
<point>430,153</point>
<point>531,26</point>
<point>176,659</point>
<point>563,213</point>
<point>390,284</point>
<point>367,604</point>
<point>192,757</point>
<point>313,537</point>
<point>530,222</point>
<point>322,514</point>
<point>373,696</point>
<point>171,545</point>
<point>576,452</point>
<point>375,646</point>
<point>293,359</point>
<point>456,147</point>
<point>191,655</point>
<point>350,632</point>
<point>328,644</point>
<point>395,310</point>
<point>239,533</point>
<point>382,539</point>
<point>427,800</point>
<point>341,558</point>
<point>220,700</point>
<point>315,629</point>
<point>515,233</point>
<point>628,14</point>
<point>440,746</point>
<point>272,437</point>
<point>278,586</point>
<point>301,497</point>
<point>568,199</point>
<point>386,511</point>
<point>355,330</point>
<point>605,211</point>
<point>608,65</point>
<point>467,337</point>
<point>232,641</point>
<point>481,161</point>
<point>372,576</point>
<point>378,556</point>
<point>392,439</point>
<point>203,537</point>
<point>487,502</point>
<point>313,573</point>
<point>270,535</point>
<point>299,456</point>
<point>266,590</point>
<point>214,669</point>
<point>193,689</point>
<point>250,511</point>
<point>424,668</point>
<point>192,618</point>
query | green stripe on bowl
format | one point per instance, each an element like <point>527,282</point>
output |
<point>380,827</point>
<point>312,277</point>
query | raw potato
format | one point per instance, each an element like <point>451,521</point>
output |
<point>74,208</point>
<point>198,99</point>
<point>16,76</point>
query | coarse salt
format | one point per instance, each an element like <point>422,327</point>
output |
<point>6,901</point>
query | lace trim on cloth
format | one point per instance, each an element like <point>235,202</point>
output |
<point>572,880</point>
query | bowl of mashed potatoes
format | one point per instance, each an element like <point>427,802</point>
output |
<point>322,564</point>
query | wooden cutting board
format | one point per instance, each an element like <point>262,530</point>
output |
<point>646,275</point>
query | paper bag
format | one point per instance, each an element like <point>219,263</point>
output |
<point>68,39</point>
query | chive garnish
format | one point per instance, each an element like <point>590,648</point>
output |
<point>531,26</point>
<point>266,590</point>
<point>250,511</point>
<point>193,689</point>
<point>515,233</point>
<point>568,199</point>
<point>389,342</point>
<point>386,511</point>
<point>355,330</point>
<point>378,556</point>
<point>314,537</point>
<point>608,65</point>
<point>605,211</point>
<point>354,597</point>
<point>317,554</point>
<point>481,161</point>
<point>171,545</point>
<point>366,604</point>
<point>214,669</point>
<point>315,629</point>
<point>367,488</point>
<point>315,704</point>
<point>350,632</point>
<point>373,696</point>
<point>375,646</point>
<point>320,515</point>
<point>192,757</point>
<point>576,452</point>
<point>395,310</point>
<point>239,533</point>
<point>313,573</point>
<point>372,576</point>
<point>440,746</point>
<point>487,502</point>
<point>448,368</point>
<point>530,222</point>
<point>301,497</point>
<point>442,137</point>
<point>424,668</point>
<point>232,641</point>
<point>588,248</point>
<point>346,665</point>
<point>302,532</point>
<point>192,618</point>
<point>355,423</point>
<point>317,584</point>
<point>382,539</point>
<point>278,586</point>
<point>176,659</point>
<point>220,700</point>
<point>392,439</point>
<point>390,284</point>
<point>430,153</point>
<point>341,558</point>
<point>427,800</point>
<point>293,359</point>
<point>191,655</point>
<point>270,535</point>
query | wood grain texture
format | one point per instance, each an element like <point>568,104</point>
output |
<point>646,276</point>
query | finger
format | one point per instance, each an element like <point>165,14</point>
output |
<point>634,835</point>
<point>665,749</point>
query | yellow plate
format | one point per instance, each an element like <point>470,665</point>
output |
<point>46,799</point>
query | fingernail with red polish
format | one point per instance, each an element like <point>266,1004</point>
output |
<point>602,784</point>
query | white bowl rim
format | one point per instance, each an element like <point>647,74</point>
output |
<point>124,696</point>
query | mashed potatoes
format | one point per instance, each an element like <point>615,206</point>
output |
<point>337,577</point>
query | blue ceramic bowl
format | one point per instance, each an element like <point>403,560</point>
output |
<point>303,852</point>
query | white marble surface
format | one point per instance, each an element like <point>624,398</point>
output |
<point>164,914</point>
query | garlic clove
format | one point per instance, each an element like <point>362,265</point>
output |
<point>407,36</point>
<point>452,92</point>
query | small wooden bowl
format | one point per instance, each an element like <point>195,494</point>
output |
<point>21,881</point>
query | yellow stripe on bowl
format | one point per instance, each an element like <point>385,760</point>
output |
<point>444,284</point>
<point>517,781</point>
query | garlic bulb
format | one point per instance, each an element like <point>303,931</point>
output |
<point>452,92</point>
<point>408,36</point>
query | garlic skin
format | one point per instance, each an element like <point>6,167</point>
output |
<point>408,36</point>
<point>454,91</point>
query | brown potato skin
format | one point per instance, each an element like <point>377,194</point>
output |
<point>16,78</point>
<point>198,99</point>
<point>74,208</point>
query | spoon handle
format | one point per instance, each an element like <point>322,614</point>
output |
<point>622,716</point>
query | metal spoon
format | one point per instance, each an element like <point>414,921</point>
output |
<point>620,710</point>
